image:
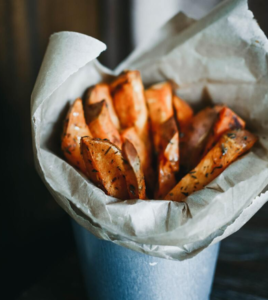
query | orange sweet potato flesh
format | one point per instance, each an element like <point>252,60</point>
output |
<point>230,146</point>
<point>143,153</point>
<point>226,120</point>
<point>168,158</point>
<point>133,172</point>
<point>132,135</point>
<point>193,137</point>
<point>100,124</point>
<point>159,102</point>
<point>105,166</point>
<point>101,92</point>
<point>184,112</point>
<point>129,102</point>
<point>75,127</point>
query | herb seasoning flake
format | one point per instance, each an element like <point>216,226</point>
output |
<point>106,152</point>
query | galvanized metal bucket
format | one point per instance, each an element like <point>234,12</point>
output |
<point>112,272</point>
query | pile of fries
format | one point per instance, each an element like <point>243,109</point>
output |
<point>139,144</point>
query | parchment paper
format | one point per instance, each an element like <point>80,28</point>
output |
<point>221,58</point>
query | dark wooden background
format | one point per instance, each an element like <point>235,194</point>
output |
<point>38,258</point>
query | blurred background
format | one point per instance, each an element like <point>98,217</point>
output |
<point>38,255</point>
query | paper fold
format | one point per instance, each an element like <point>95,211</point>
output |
<point>219,59</point>
<point>66,53</point>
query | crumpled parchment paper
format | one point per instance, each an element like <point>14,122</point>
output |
<point>221,58</point>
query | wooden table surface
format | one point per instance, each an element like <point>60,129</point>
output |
<point>242,269</point>
<point>241,273</point>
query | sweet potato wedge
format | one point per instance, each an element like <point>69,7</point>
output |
<point>183,111</point>
<point>159,102</point>
<point>226,120</point>
<point>129,102</point>
<point>168,158</point>
<point>100,124</point>
<point>105,166</point>
<point>74,128</point>
<point>98,93</point>
<point>230,146</point>
<point>194,136</point>
<point>132,135</point>
<point>133,172</point>
<point>143,153</point>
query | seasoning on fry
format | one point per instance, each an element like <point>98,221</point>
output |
<point>100,92</point>
<point>133,172</point>
<point>215,163</point>
<point>100,123</point>
<point>75,127</point>
<point>100,171</point>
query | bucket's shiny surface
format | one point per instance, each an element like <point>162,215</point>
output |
<point>112,272</point>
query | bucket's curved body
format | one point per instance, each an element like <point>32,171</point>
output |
<point>113,272</point>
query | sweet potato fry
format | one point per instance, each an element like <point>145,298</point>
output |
<point>159,102</point>
<point>129,102</point>
<point>226,120</point>
<point>100,124</point>
<point>168,131</point>
<point>132,135</point>
<point>75,127</point>
<point>98,93</point>
<point>184,112</point>
<point>105,166</point>
<point>230,146</point>
<point>143,153</point>
<point>166,179</point>
<point>165,135</point>
<point>194,136</point>
<point>168,158</point>
<point>133,172</point>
